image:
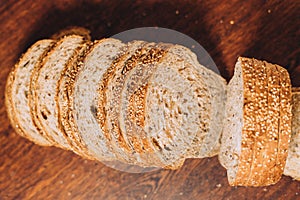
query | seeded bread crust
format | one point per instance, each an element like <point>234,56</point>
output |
<point>293,160</point>
<point>267,158</point>
<point>45,113</point>
<point>261,112</point>
<point>17,92</point>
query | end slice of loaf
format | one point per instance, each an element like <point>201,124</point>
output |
<point>17,92</point>
<point>292,167</point>
<point>247,143</point>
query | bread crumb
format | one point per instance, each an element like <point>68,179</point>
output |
<point>72,175</point>
<point>221,21</point>
<point>69,193</point>
<point>177,12</point>
<point>145,196</point>
<point>265,189</point>
<point>231,22</point>
<point>61,181</point>
<point>269,11</point>
<point>219,185</point>
<point>296,193</point>
<point>181,193</point>
<point>193,46</point>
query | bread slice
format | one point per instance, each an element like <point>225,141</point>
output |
<point>108,100</point>
<point>17,91</point>
<point>95,67</point>
<point>64,98</point>
<point>131,95</point>
<point>292,167</point>
<point>174,111</point>
<point>212,100</point>
<point>246,141</point>
<point>44,85</point>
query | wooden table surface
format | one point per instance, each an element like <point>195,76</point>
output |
<point>262,29</point>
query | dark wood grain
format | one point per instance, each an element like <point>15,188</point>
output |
<point>266,30</point>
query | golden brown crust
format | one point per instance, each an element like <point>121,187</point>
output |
<point>284,123</point>
<point>261,112</point>
<point>73,30</point>
<point>270,141</point>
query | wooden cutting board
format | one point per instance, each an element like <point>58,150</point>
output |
<point>261,29</point>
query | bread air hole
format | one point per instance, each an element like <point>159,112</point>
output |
<point>45,113</point>
<point>156,144</point>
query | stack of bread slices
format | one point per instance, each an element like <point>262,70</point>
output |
<point>154,105</point>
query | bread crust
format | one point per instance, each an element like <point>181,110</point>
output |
<point>261,113</point>
<point>269,155</point>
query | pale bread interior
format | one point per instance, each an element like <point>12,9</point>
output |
<point>292,167</point>
<point>232,131</point>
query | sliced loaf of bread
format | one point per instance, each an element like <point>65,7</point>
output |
<point>17,92</point>
<point>292,167</point>
<point>44,86</point>
<point>257,100</point>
